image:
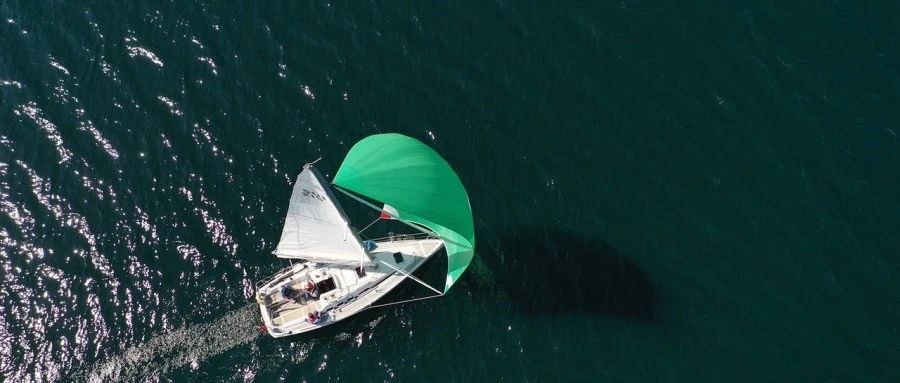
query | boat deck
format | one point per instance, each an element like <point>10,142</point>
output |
<point>284,310</point>
<point>351,292</point>
<point>291,311</point>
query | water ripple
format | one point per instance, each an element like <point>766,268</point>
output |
<point>19,215</point>
<point>212,64</point>
<point>32,111</point>
<point>54,63</point>
<point>135,50</point>
<point>39,299</point>
<point>86,125</point>
<point>11,83</point>
<point>173,107</point>
<point>215,227</point>
<point>67,217</point>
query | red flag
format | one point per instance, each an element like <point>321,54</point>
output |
<point>388,212</point>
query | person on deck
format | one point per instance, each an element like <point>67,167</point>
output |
<point>313,317</point>
<point>311,290</point>
<point>289,293</point>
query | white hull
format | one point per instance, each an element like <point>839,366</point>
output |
<point>351,293</point>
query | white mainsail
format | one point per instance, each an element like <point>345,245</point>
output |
<point>316,227</point>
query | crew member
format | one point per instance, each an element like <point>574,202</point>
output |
<point>311,290</point>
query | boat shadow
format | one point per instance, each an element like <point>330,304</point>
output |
<point>541,272</point>
<point>549,271</point>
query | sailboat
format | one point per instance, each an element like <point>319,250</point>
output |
<point>338,274</point>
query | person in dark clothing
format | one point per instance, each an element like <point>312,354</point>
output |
<point>289,292</point>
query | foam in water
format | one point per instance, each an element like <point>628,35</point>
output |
<point>188,345</point>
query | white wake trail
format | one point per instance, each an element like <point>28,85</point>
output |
<point>190,344</point>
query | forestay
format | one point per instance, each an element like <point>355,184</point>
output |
<point>316,227</point>
<point>423,189</point>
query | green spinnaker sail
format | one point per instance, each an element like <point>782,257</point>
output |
<point>411,177</point>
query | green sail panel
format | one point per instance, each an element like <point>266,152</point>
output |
<point>411,177</point>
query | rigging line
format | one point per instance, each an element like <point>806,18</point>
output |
<point>418,227</point>
<point>358,199</point>
<point>369,225</point>
<point>412,277</point>
<point>405,301</point>
<point>378,209</point>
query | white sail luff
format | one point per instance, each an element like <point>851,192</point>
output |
<point>316,227</point>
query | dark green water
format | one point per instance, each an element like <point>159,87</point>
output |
<point>690,192</point>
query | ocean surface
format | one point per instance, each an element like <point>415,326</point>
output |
<point>697,191</point>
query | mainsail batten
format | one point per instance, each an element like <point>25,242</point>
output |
<point>316,228</point>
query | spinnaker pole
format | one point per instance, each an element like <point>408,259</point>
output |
<point>408,275</point>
